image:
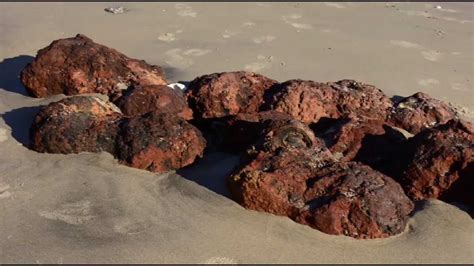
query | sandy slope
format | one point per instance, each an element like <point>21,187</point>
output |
<point>87,208</point>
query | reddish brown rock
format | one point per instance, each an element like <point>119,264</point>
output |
<point>420,111</point>
<point>307,101</point>
<point>310,101</point>
<point>367,140</point>
<point>435,159</point>
<point>161,98</point>
<point>76,124</point>
<point>275,182</point>
<point>159,142</point>
<point>78,65</point>
<point>155,141</point>
<point>354,200</point>
<point>229,93</point>
<point>310,187</point>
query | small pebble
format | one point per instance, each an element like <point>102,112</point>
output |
<point>438,7</point>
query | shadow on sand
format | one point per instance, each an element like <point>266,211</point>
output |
<point>10,69</point>
<point>172,73</point>
<point>211,171</point>
<point>20,121</point>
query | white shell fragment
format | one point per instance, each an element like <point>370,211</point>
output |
<point>115,10</point>
<point>177,86</point>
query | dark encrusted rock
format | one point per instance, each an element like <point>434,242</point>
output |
<point>159,142</point>
<point>161,98</point>
<point>275,182</point>
<point>311,187</point>
<point>76,124</point>
<point>434,159</point>
<point>228,93</point>
<point>154,141</point>
<point>361,139</point>
<point>354,200</point>
<point>420,111</point>
<point>78,65</point>
<point>310,101</point>
<point>269,128</point>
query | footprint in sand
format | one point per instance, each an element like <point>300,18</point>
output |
<point>180,58</point>
<point>431,15</point>
<point>264,39</point>
<point>459,87</point>
<point>228,34</point>
<point>167,37</point>
<point>196,52</point>
<point>185,10</point>
<point>220,260</point>
<point>301,25</point>
<point>406,44</point>
<point>76,213</point>
<point>4,193</point>
<point>291,20</point>
<point>3,135</point>
<point>176,59</point>
<point>427,82</point>
<point>249,24</point>
<point>431,55</point>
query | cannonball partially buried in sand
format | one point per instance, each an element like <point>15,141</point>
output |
<point>78,65</point>
<point>436,159</point>
<point>76,124</point>
<point>139,100</point>
<point>275,182</point>
<point>311,187</point>
<point>309,101</point>
<point>159,142</point>
<point>228,93</point>
<point>354,200</point>
<point>154,141</point>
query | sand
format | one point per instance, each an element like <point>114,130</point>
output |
<point>86,208</point>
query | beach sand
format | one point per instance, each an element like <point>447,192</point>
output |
<point>87,208</point>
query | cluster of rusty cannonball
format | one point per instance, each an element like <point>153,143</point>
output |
<point>340,156</point>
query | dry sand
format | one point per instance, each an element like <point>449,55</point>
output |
<point>87,208</point>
